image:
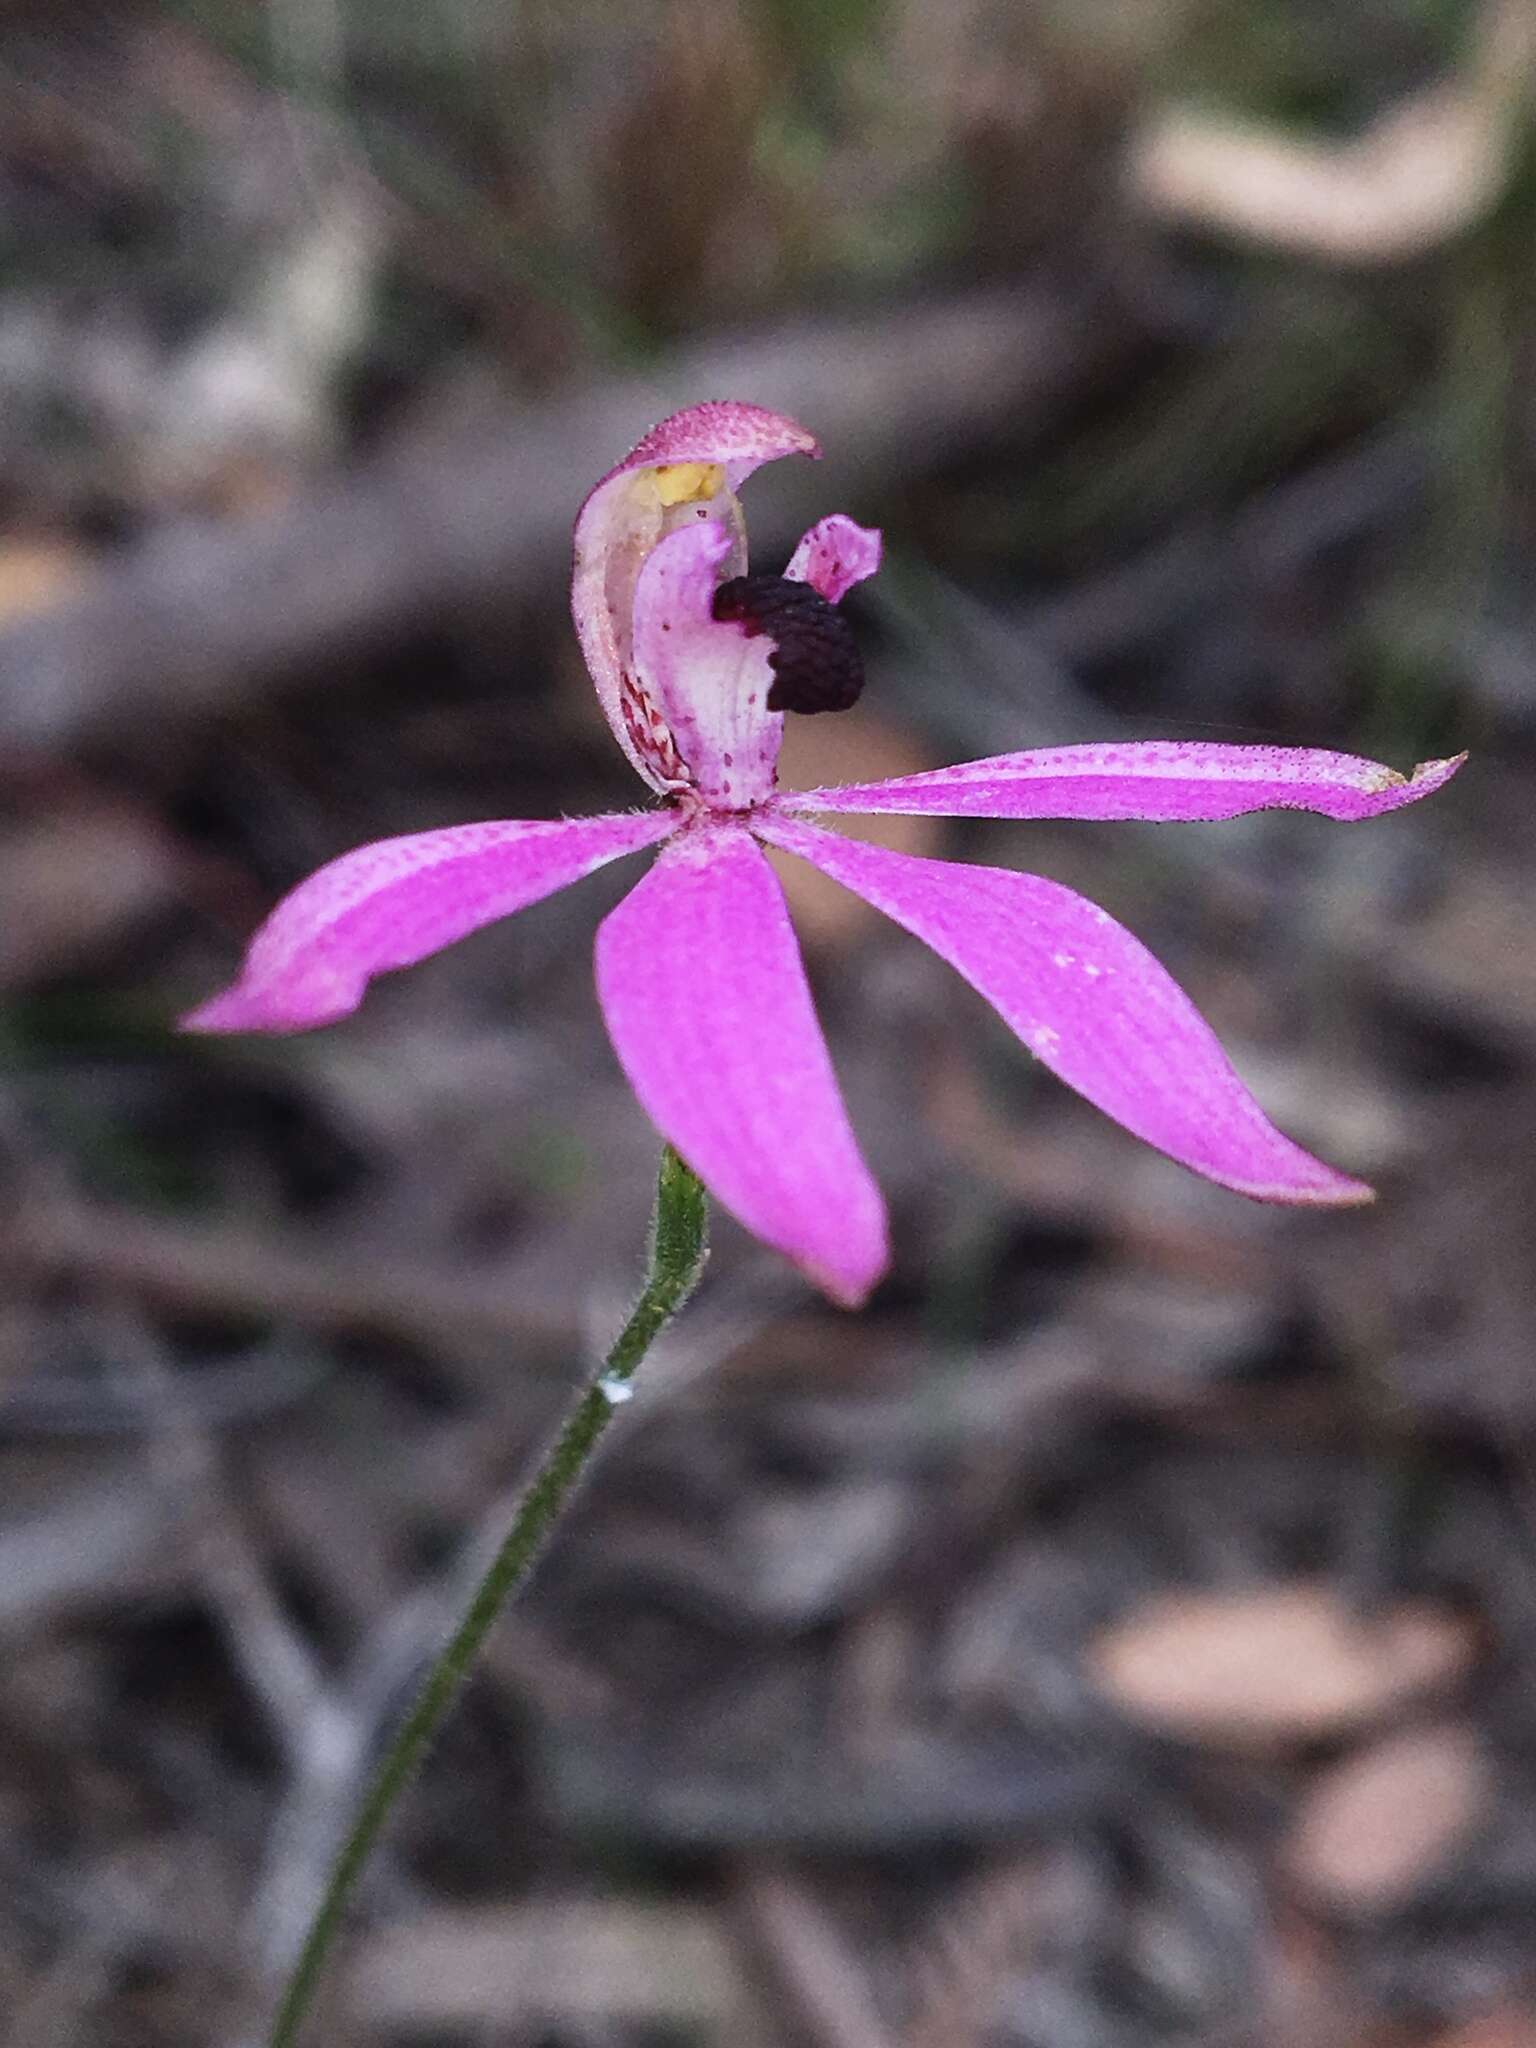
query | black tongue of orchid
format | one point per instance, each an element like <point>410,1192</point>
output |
<point>815,661</point>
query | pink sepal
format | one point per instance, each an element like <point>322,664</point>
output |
<point>1090,1002</point>
<point>702,985</point>
<point>392,903</point>
<point>1155,779</point>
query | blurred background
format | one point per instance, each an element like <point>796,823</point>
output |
<point>1123,1632</point>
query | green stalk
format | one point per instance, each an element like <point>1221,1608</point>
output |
<point>677,1253</point>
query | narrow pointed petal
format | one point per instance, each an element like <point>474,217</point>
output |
<point>392,903</point>
<point>702,985</point>
<point>834,555</point>
<point>1162,779</point>
<point>1090,1002</point>
<point>685,471</point>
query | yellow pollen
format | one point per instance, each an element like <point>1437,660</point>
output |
<point>675,483</point>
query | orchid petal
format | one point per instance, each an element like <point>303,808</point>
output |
<point>1166,779</point>
<point>1090,1002</point>
<point>725,430</point>
<point>392,903</point>
<point>705,995</point>
<point>835,554</point>
<point>709,680</point>
<point>685,471</point>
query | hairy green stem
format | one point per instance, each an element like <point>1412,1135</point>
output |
<point>677,1251</point>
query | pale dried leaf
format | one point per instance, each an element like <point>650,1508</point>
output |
<point>1274,1665</point>
<point>1385,1819</point>
<point>1422,173</point>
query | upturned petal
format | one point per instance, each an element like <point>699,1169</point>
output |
<point>834,555</point>
<point>392,903</point>
<point>1160,779</point>
<point>685,471</point>
<point>1090,1002</point>
<point>702,985</point>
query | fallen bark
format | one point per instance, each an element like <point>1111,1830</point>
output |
<point>203,615</point>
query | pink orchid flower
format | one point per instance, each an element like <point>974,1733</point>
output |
<point>698,972</point>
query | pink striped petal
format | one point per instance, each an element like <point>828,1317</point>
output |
<point>709,680</point>
<point>706,1000</point>
<point>687,470</point>
<point>392,903</point>
<point>1090,1002</point>
<point>1168,779</point>
<point>834,555</point>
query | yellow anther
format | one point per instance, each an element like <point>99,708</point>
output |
<point>675,483</point>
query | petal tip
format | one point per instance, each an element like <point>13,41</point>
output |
<point>1334,1191</point>
<point>223,1012</point>
<point>849,1267</point>
<point>1389,789</point>
<point>836,554</point>
<point>851,1287</point>
<point>243,1009</point>
<point>1430,775</point>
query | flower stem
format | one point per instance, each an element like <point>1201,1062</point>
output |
<point>677,1253</point>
